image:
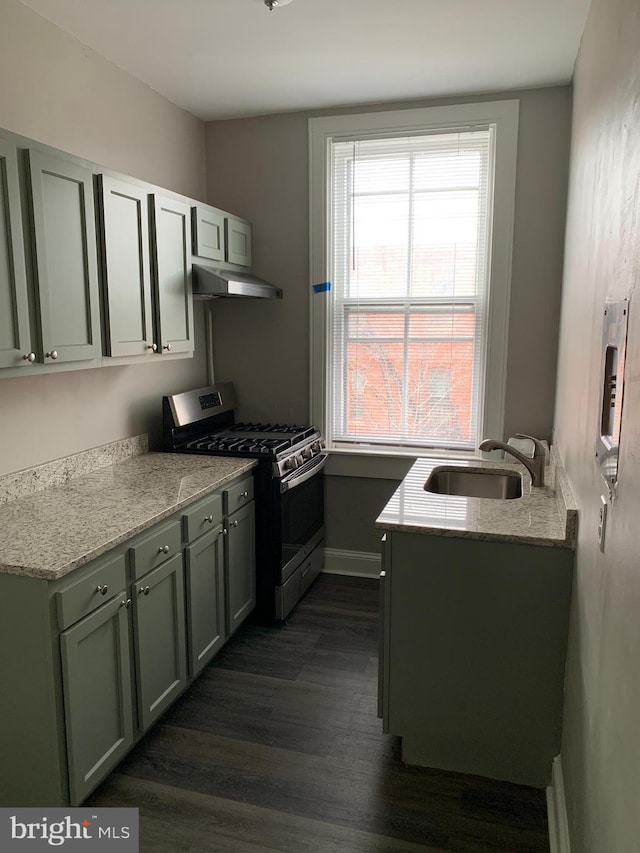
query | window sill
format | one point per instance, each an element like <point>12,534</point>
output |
<point>382,465</point>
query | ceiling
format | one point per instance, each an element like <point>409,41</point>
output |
<point>231,58</point>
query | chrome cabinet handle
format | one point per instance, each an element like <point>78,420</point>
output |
<point>53,354</point>
<point>224,531</point>
<point>208,518</point>
<point>102,589</point>
<point>234,523</point>
<point>244,495</point>
<point>163,549</point>
<point>153,347</point>
<point>126,602</point>
<point>167,347</point>
<point>144,590</point>
<point>30,357</point>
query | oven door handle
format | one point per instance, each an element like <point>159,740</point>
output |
<point>306,472</point>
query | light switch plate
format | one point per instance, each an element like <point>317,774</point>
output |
<point>602,521</point>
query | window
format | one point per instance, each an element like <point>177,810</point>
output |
<point>411,219</point>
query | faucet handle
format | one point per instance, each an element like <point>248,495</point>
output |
<point>538,447</point>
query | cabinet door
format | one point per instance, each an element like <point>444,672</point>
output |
<point>208,232</point>
<point>15,342</point>
<point>238,241</point>
<point>384,638</point>
<point>205,599</point>
<point>65,263</point>
<point>159,639</point>
<point>171,257</point>
<point>97,695</point>
<point>240,566</point>
<point>126,275</point>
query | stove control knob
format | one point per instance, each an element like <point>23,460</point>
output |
<point>307,453</point>
<point>291,463</point>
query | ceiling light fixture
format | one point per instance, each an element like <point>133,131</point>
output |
<point>271,4</point>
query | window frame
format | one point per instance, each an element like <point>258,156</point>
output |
<point>502,116</point>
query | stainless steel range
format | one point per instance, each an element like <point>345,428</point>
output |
<point>289,487</point>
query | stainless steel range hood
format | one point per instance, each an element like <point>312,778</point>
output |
<point>212,283</point>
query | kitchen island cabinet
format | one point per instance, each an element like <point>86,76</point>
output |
<point>474,617</point>
<point>103,646</point>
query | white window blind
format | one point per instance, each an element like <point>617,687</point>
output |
<point>409,245</point>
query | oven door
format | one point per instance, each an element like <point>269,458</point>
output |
<point>301,512</point>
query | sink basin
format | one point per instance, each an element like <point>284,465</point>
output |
<point>474,483</point>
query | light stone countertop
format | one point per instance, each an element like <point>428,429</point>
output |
<point>544,515</point>
<point>50,533</point>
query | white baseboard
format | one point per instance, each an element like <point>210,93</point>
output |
<point>360,563</point>
<point>559,841</point>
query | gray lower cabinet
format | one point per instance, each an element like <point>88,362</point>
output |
<point>98,701</point>
<point>15,336</point>
<point>206,630</point>
<point>240,566</point>
<point>64,260</point>
<point>102,653</point>
<point>159,638</point>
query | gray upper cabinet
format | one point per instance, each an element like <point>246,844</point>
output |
<point>171,268</point>
<point>208,232</point>
<point>219,236</point>
<point>238,240</point>
<point>126,275</point>
<point>15,341</point>
<point>65,267</point>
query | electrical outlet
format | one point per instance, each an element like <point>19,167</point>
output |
<point>602,521</point>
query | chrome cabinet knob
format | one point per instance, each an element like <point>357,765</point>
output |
<point>244,495</point>
<point>102,589</point>
<point>144,590</point>
<point>208,518</point>
<point>224,531</point>
<point>126,602</point>
<point>163,549</point>
<point>30,357</point>
<point>234,523</point>
<point>153,347</point>
<point>167,347</point>
<point>53,354</point>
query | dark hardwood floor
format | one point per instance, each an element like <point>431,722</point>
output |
<point>277,747</point>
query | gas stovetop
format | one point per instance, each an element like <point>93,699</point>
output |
<point>254,439</point>
<point>203,421</point>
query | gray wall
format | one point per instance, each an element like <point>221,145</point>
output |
<point>57,91</point>
<point>601,745</point>
<point>258,168</point>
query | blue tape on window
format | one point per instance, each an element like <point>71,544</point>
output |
<point>322,288</point>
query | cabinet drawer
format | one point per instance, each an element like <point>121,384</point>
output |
<point>237,496</point>
<point>153,550</point>
<point>94,589</point>
<point>202,518</point>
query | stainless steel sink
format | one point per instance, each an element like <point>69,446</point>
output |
<point>474,483</point>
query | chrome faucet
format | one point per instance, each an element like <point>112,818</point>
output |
<point>535,465</point>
